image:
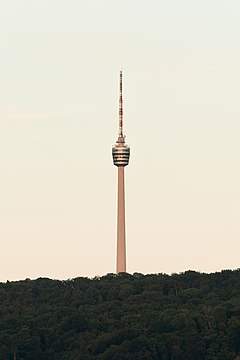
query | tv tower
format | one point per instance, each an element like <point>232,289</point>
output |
<point>121,154</point>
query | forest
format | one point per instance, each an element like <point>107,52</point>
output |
<point>186,316</point>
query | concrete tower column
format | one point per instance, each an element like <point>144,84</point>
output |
<point>121,244</point>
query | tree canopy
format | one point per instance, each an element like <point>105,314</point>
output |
<point>184,316</point>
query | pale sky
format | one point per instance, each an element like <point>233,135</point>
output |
<point>59,70</point>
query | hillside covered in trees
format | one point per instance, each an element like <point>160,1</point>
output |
<point>187,316</point>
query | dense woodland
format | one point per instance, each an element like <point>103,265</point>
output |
<point>187,316</point>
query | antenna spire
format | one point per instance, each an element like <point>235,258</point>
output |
<point>120,133</point>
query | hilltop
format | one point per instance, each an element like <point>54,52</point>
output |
<point>179,317</point>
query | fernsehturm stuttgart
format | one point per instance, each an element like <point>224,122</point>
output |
<point>121,154</point>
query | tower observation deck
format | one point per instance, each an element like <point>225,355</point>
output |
<point>121,154</point>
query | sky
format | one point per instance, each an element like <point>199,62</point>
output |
<point>59,71</point>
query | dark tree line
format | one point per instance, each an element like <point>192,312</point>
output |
<point>187,316</point>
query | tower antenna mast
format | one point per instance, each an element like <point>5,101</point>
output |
<point>120,133</point>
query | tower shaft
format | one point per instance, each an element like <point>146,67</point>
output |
<point>121,245</point>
